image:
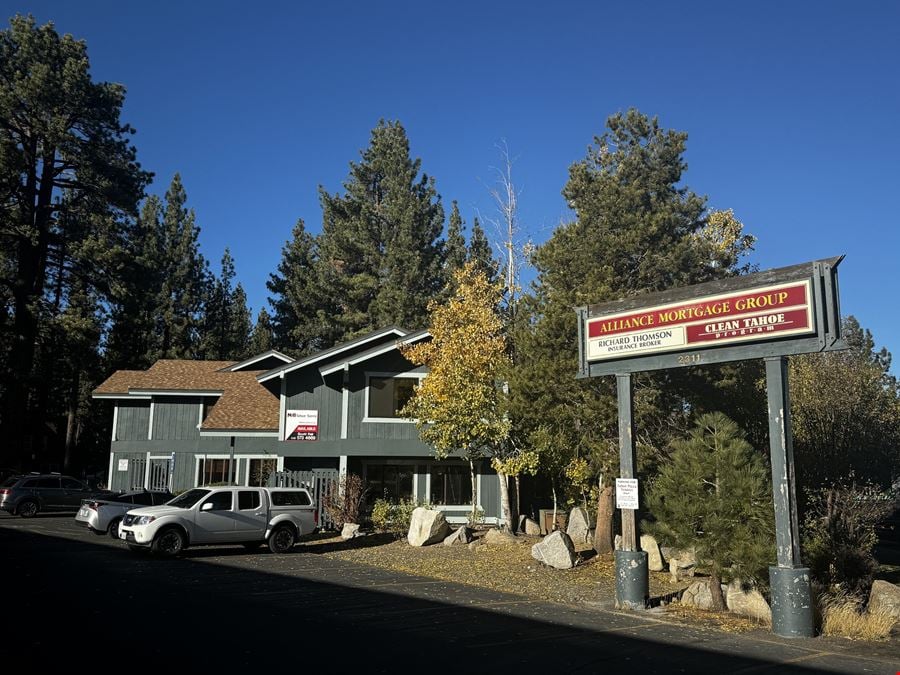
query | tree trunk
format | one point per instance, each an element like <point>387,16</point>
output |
<point>715,591</point>
<point>552,527</point>
<point>474,492</point>
<point>604,541</point>
<point>504,501</point>
<point>71,421</point>
<point>518,500</point>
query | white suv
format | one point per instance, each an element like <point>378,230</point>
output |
<point>223,515</point>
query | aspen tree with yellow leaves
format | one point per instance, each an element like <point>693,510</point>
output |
<point>461,405</point>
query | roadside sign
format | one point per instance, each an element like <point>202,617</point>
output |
<point>627,493</point>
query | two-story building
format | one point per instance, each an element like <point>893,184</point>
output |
<point>182,424</point>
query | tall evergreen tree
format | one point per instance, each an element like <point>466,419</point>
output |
<point>456,242</point>
<point>381,252</point>
<point>226,319</point>
<point>60,132</point>
<point>480,252</point>
<point>635,232</point>
<point>262,338</point>
<point>303,320</point>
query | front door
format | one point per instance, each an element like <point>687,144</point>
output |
<point>215,523</point>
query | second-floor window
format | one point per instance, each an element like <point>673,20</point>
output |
<point>388,395</point>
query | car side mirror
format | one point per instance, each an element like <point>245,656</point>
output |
<point>208,506</point>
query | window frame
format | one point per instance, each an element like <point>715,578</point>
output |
<point>408,375</point>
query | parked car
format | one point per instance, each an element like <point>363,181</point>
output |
<point>102,516</point>
<point>223,515</point>
<point>33,493</point>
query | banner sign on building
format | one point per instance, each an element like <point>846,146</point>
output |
<point>761,313</point>
<point>301,425</point>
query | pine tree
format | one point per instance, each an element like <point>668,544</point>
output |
<point>62,146</point>
<point>304,321</point>
<point>225,331</point>
<point>636,231</point>
<point>480,252</point>
<point>262,338</point>
<point>380,249</point>
<point>713,495</point>
<point>456,243</point>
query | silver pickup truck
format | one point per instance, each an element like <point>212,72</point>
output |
<point>249,516</point>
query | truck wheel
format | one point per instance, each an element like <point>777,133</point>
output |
<point>169,542</point>
<point>114,528</point>
<point>282,539</point>
<point>28,508</point>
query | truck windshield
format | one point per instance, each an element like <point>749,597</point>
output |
<point>189,498</point>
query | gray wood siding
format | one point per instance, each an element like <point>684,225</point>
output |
<point>392,362</point>
<point>133,420</point>
<point>305,390</point>
<point>490,494</point>
<point>176,418</point>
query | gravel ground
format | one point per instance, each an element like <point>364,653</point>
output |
<point>511,569</point>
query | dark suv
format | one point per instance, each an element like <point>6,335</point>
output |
<point>30,494</point>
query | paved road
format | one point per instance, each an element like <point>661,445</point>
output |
<point>73,599</point>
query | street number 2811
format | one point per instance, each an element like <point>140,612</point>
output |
<point>688,359</point>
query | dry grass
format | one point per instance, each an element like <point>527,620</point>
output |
<point>842,616</point>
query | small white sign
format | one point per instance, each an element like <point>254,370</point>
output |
<point>627,493</point>
<point>123,465</point>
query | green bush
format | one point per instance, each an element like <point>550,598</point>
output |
<point>389,517</point>
<point>839,535</point>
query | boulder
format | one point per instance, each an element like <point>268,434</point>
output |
<point>747,602</point>
<point>555,550</point>
<point>698,595</point>
<point>579,527</point>
<point>462,536</point>
<point>618,542</point>
<point>532,529</point>
<point>478,543</point>
<point>654,556</point>
<point>426,527</point>
<point>885,597</point>
<point>350,531</point>
<point>681,563</point>
<point>499,538</point>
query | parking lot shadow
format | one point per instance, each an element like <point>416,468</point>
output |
<point>70,601</point>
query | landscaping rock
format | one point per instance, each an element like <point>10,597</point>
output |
<point>475,544</point>
<point>499,538</point>
<point>462,536</point>
<point>681,563</point>
<point>350,531</point>
<point>618,542</point>
<point>654,557</point>
<point>885,597</point>
<point>556,550</point>
<point>698,595</point>
<point>748,602</point>
<point>532,529</point>
<point>522,519</point>
<point>427,527</point>
<point>579,527</point>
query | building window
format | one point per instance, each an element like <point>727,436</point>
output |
<point>390,481</point>
<point>450,485</point>
<point>260,470</point>
<point>215,471</point>
<point>388,395</point>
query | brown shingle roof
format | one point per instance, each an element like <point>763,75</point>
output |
<point>244,404</point>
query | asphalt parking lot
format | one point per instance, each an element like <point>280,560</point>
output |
<point>73,598</point>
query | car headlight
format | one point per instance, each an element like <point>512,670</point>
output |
<point>144,520</point>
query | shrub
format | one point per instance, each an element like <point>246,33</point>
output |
<point>346,504</point>
<point>476,518</point>
<point>839,535</point>
<point>388,517</point>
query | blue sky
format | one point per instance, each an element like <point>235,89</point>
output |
<point>791,111</point>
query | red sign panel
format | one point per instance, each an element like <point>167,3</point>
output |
<point>749,315</point>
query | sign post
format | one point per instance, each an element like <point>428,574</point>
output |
<point>768,315</point>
